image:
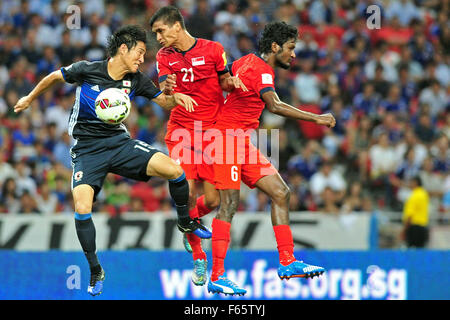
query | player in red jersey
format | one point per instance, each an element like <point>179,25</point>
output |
<point>240,160</point>
<point>198,67</point>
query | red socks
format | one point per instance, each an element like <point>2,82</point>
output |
<point>202,209</point>
<point>198,211</point>
<point>220,242</point>
<point>285,244</point>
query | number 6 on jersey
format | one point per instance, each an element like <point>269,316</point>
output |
<point>234,173</point>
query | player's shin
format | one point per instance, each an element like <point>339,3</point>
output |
<point>220,242</point>
<point>86,235</point>
<point>179,191</point>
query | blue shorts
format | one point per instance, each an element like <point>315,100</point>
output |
<point>93,159</point>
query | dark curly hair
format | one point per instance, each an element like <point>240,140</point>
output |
<point>129,35</point>
<point>279,32</point>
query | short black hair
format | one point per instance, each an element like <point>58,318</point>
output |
<point>128,35</point>
<point>169,15</point>
<point>417,180</point>
<point>277,31</point>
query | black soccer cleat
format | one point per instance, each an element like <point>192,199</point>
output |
<point>194,226</point>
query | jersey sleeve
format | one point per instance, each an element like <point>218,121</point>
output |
<point>146,88</point>
<point>263,81</point>
<point>74,72</point>
<point>220,59</point>
<point>162,67</point>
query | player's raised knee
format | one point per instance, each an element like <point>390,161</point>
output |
<point>82,207</point>
<point>174,171</point>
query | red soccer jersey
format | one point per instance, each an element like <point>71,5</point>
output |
<point>197,71</point>
<point>243,109</point>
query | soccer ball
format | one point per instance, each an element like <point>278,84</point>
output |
<point>112,106</point>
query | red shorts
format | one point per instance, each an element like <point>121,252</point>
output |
<point>239,160</point>
<point>187,150</point>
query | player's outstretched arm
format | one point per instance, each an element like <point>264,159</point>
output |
<point>43,85</point>
<point>275,105</point>
<point>169,102</point>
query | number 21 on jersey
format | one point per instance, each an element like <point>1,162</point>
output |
<point>188,75</point>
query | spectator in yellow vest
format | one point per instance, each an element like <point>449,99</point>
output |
<point>415,216</point>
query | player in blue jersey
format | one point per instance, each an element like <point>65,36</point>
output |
<point>101,148</point>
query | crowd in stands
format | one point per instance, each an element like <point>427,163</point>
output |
<point>388,89</point>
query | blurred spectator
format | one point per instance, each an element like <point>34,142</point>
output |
<point>440,152</point>
<point>95,50</point>
<point>366,102</point>
<point>66,51</point>
<point>425,130</point>
<point>394,103</point>
<point>306,47</point>
<point>432,182</point>
<point>257,201</point>
<point>28,204</point>
<point>383,162</point>
<point>23,138</point>
<point>390,125</point>
<point>435,97</point>
<point>10,197</point>
<point>307,83</point>
<point>380,84</point>
<point>404,10</point>
<point>47,202</point>
<point>62,150</point>
<point>406,170</point>
<point>58,113</point>
<point>201,23</point>
<point>327,177</point>
<point>353,201</point>
<point>308,161</point>
<point>356,148</point>
<point>300,195</point>
<point>24,180</point>
<point>230,13</point>
<point>149,132</point>
<point>410,141</point>
<point>48,63</point>
<point>31,50</point>
<point>330,203</point>
<point>225,35</point>
<point>408,88</point>
<point>136,205</point>
<point>422,49</point>
<point>19,81</point>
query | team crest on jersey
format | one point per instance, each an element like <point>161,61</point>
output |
<point>266,78</point>
<point>78,176</point>
<point>198,61</point>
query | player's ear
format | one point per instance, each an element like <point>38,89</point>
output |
<point>177,26</point>
<point>123,48</point>
<point>275,47</point>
